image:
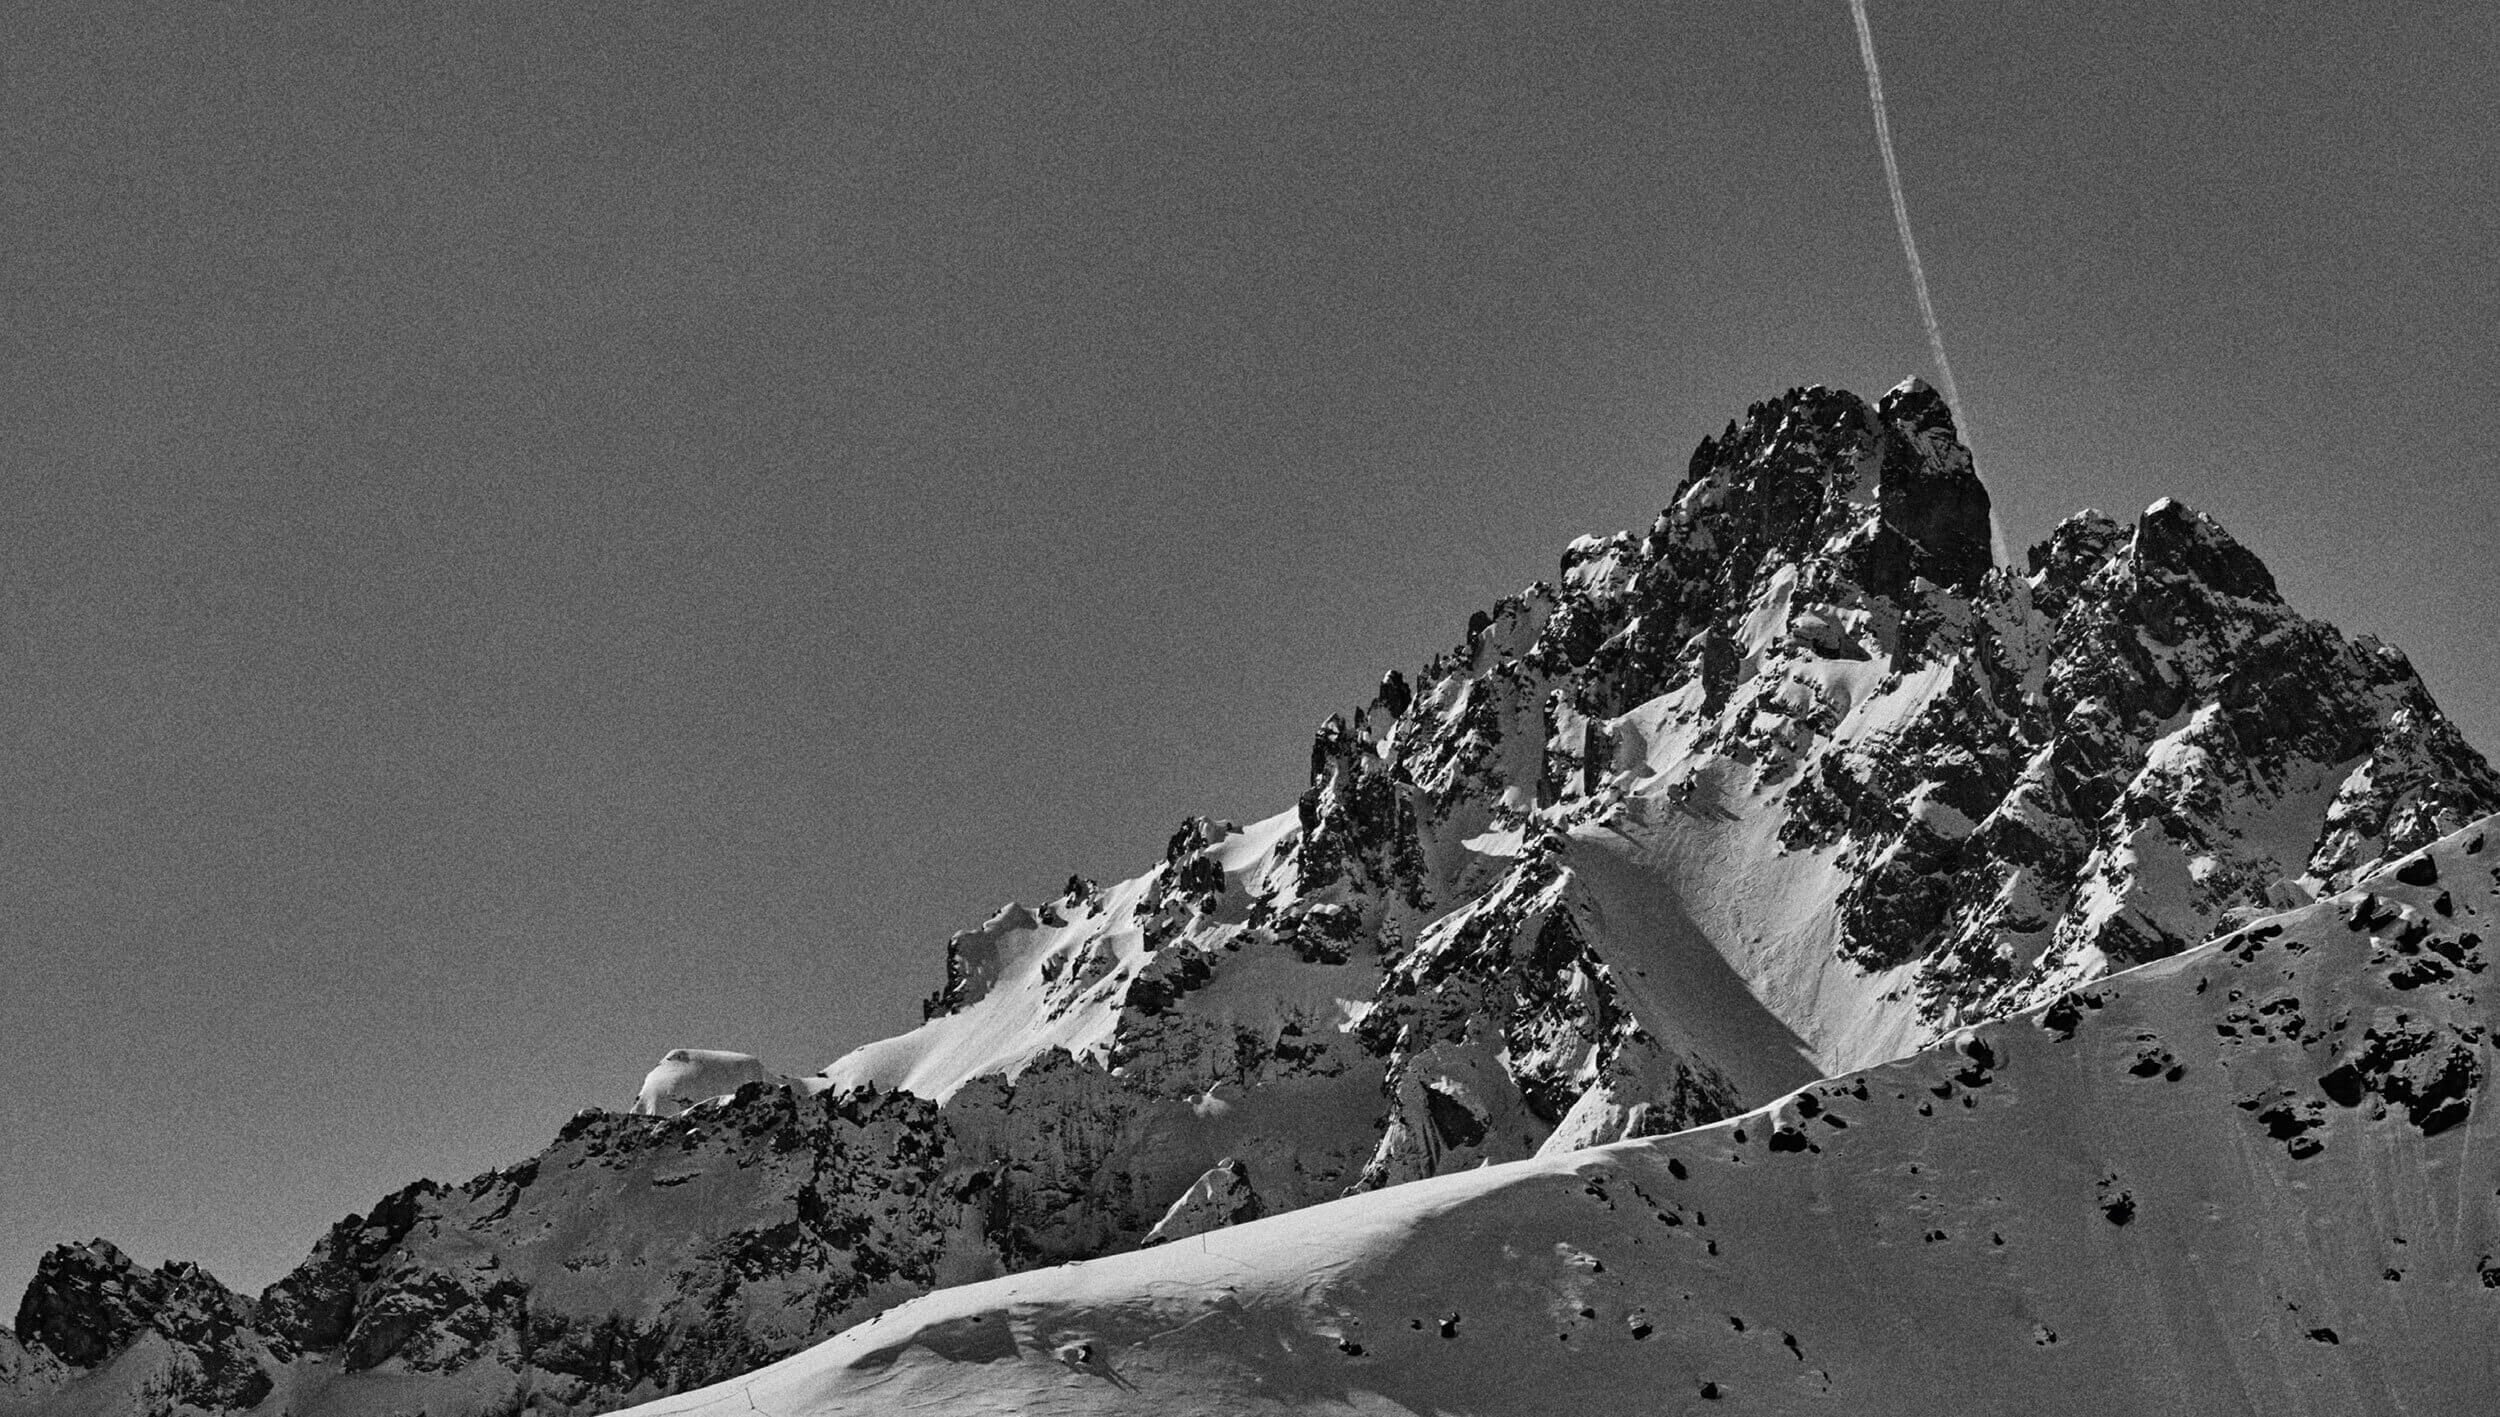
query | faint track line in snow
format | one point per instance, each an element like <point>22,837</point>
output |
<point>742,1390</point>
<point>2465,1179</point>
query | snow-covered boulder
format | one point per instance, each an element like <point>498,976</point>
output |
<point>690,1077</point>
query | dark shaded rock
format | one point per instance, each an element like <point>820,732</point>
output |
<point>1394,694</point>
<point>2428,1069</point>
<point>86,1303</point>
<point>314,1305</point>
<point>2078,546</point>
<point>1935,522</point>
<point>1456,1124</point>
<point>89,1302</point>
<point>2176,538</point>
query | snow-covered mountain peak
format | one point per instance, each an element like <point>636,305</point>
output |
<point>1791,782</point>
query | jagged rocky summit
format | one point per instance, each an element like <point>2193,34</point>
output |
<point>1790,784</point>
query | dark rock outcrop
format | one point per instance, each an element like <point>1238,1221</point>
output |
<point>87,1303</point>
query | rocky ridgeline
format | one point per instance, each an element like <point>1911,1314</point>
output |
<point>1792,782</point>
<point>90,1304</point>
<point>2243,1179</point>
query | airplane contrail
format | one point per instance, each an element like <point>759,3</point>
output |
<point>1901,207</point>
<point>1909,248</point>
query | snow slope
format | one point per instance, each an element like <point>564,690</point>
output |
<point>1792,782</point>
<point>2239,1180</point>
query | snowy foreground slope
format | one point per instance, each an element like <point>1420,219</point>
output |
<point>1792,782</point>
<point>2243,1179</point>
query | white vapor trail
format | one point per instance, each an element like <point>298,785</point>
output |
<point>1909,246</point>
<point>1900,207</point>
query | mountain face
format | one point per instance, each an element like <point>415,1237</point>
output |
<point>2247,1180</point>
<point>1790,784</point>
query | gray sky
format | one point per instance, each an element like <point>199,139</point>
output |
<point>539,534</point>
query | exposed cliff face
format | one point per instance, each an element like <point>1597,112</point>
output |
<point>1789,784</point>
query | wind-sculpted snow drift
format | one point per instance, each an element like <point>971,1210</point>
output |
<point>1791,784</point>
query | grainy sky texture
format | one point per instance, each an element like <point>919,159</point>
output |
<point>535,534</point>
